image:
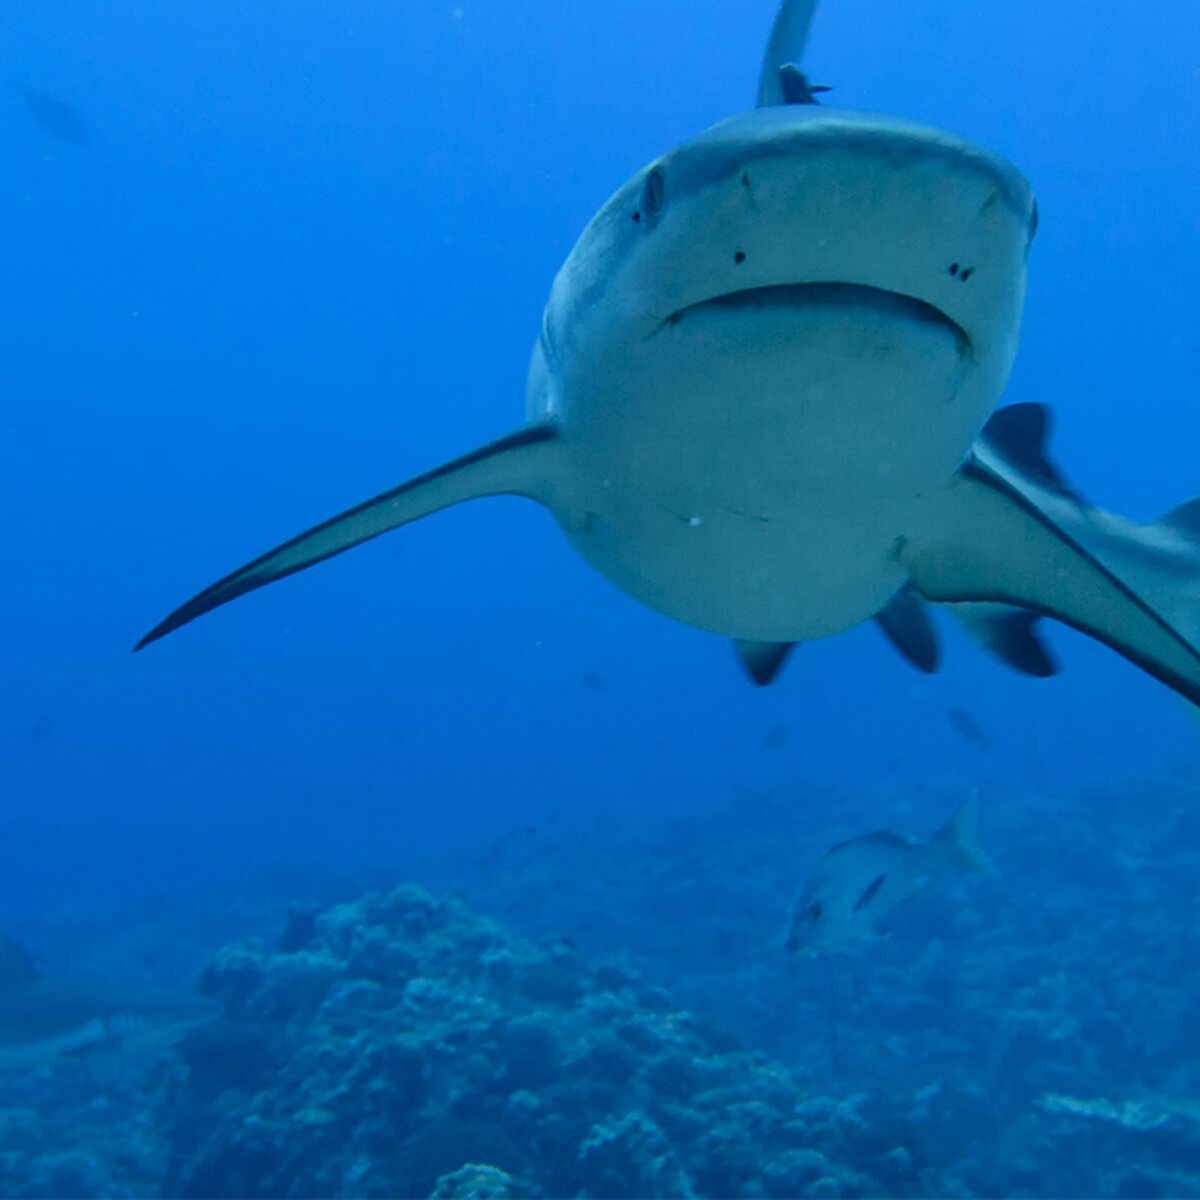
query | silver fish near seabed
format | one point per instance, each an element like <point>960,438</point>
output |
<point>860,882</point>
<point>762,402</point>
<point>43,1020</point>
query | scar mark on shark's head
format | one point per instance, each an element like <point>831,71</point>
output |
<point>749,190</point>
<point>757,518</point>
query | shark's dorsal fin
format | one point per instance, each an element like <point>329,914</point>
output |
<point>15,965</point>
<point>1018,434</point>
<point>785,50</point>
<point>906,624</point>
<point>762,660</point>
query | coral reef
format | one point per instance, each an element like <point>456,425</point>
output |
<point>1026,1036</point>
<point>402,1045</point>
<point>61,1135</point>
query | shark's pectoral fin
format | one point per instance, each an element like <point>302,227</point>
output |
<point>762,660</point>
<point>999,535</point>
<point>906,624</point>
<point>1010,634</point>
<point>1184,520</point>
<point>526,463</point>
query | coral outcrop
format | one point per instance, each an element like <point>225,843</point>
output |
<point>402,1045</point>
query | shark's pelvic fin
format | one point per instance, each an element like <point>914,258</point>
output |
<point>777,83</point>
<point>1018,433</point>
<point>906,624</point>
<point>1010,634</point>
<point>1003,535</point>
<point>762,660</point>
<point>524,463</point>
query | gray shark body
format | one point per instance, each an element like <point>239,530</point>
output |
<point>44,1019</point>
<point>760,404</point>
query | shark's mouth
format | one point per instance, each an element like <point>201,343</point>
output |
<point>794,296</point>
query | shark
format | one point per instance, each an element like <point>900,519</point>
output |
<point>764,401</point>
<point>44,1020</point>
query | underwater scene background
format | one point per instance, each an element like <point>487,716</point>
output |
<point>488,867</point>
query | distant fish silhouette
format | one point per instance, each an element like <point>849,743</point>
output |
<point>775,738</point>
<point>967,727</point>
<point>594,681</point>
<point>56,117</point>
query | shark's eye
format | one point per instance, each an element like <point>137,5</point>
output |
<point>654,194</point>
<point>814,910</point>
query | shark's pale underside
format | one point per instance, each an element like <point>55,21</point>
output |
<point>762,403</point>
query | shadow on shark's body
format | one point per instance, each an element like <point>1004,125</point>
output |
<point>44,1020</point>
<point>762,403</point>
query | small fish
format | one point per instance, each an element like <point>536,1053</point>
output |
<point>967,727</point>
<point>56,117</point>
<point>775,738</point>
<point>859,882</point>
<point>44,1020</point>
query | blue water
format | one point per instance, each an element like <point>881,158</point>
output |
<point>304,255</point>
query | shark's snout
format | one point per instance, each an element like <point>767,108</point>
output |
<point>804,208</point>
